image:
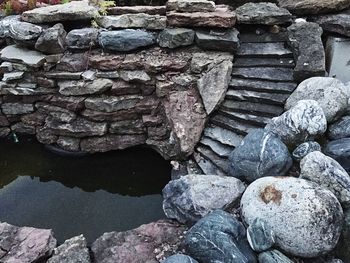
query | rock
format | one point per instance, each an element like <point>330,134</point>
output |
<point>213,85</point>
<point>222,17</point>
<point>126,40</point>
<point>82,38</point>
<point>8,77</point>
<point>305,40</point>
<point>77,88</point>
<point>328,173</point>
<point>260,154</point>
<point>72,250</point>
<point>343,250</point>
<point>340,151</point>
<point>179,258</point>
<point>145,21</point>
<point>112,104</point>
<point>304,149</point>
<point>273,256</point>
<point>335,23</point>
<point>190,6</point>
<point>262,13</point>
<point>4,132</point>
<point>71,11</point>
<point>138,245</point>
<point>219,238</point>
<point>140,76</point>
<point>16,108</point>
<point>151,10</point>
<point>188,198</point>
<point>303,7</point>
<point>22,55</point>
<point>52,41</point>
<point>127,127</point>
<point>340,129</point>
<point>6,23</point>
<point>25,244</point>
<point>176,37</point>
<point>76,62</point>
<point>24,33</point>
<point>328,92</point>
<point>304,121</point>
<point>260,235</point>
<point>306,233</point>
<point>68,143</point>
<point>202,61</point>
<point>221,40</point>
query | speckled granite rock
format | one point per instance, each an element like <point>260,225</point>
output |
<point>304,149</point>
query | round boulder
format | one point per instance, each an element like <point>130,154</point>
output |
<point>328,92</point>
<point>306,219</point>
<point>260,154</point>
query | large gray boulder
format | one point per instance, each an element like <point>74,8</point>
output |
<point>306,218</point>
<point>328,173</point>
<point>24,33</point>
<point>340,129</point>
<point>219,238</point>
<point>303,7</point>
<point>328,92</point>
<point>302,122</point>
<point>260,154</point>
<point>192,197</point>
<point>52,40</point>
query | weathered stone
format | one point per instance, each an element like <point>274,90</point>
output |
<point>213,85</point>
<point>146,9</point>
<point>222,17</point>
<point>187,199</point>
<point>260,235</point>
<point>25,244</point>
<point>260,154</point>
<point>24,33</point>
<point>260,73</point>
<point>127,127</point>
<point>305,40</point>
<point>126,40</point>
<point>52,40</point>
<point>343,250</point>
<point>23,128</point>
<point>273,256</point>
<point>328,173</point>
<point>16,108</point>
<point>328,92</point>
<point>219,238</point>
<point>70,103</point>
<point>340,151</point>
<point>82,38</point>
<point>72,250</point>
<point>45,82</point>
<point>302,7</point>
<point>304,149</point>
<point>176,37</point>
<point>205,60</point>
<point>340,129</point>
<point>112,104</point>
<point>190,6</point>
<point>151,22</point>
<point>22,55</point>
<point>179,258</point>
<point>134,76</point>
<point>221,40</point>
<point>77,88</point>
<point>63,75</point>
<point>335,23</point>
<point>305,121</point>
<point>68,144</point>
<point>138,245</point>
<point>262,13</point>
<point>306,233</point>
<point>13,76</point>
<point>45,136</point>
<point>71,11</point>
<point>73,62</point>
<point>5,24</point>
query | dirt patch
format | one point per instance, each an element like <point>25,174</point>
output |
<point>271,194</point>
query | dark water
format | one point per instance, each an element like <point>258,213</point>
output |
<point>87,195</point>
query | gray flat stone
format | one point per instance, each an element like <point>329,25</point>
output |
<point>254,96</point>
<point>223,135</point>
<point>207,166</point>
<point>263,37</point>
<point>302,7</point>
<point>263,85</point>
<point>13,76</point>
<point>221,40</point>
<point>82,38</point>
<point>190,5</point>
<point>220,149</point>
<point>152,22</point>
<point>271,74</point>
<point>22,55</point>
<point>176,37</point>
<point>264,62</point>
<point>231,124</point>
<point>264,50</point>
<point>221,162</point>
<point>252,108</point>
<point>335,23</point>
<point>252,119</point>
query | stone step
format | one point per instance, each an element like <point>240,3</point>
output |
<point>254,96</point>
<point>262,85</point>
<point>261,73</point>
<point>207,166</point>
<point>220,149</point>
<point>252,108</point>
<point>264,62</point>
<point>222,135</point>
<point>220,162</point>
<point>249,118</point>
<point>276,49</point>
<point>238,127</point>
<point>265,37</point>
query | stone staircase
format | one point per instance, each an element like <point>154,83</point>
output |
<point>262,80</point>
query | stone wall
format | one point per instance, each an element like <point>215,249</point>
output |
<point>135,80</point>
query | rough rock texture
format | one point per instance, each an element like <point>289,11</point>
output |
<point>152,22</point>
<point>76,88</point>
<point>315,226</point>
<point>82,38</point>
<point>147,243</point>
<point>343,250</point>
<point>222,40</point>
<point>52,41</point>
<point>328,173</point>
<point>340,129</point>
<point>335,23</point>
<point>190,6</point>
<point>273,256</point>
<point>73,250</point>
<point>328,92</point>
<point>24,33</point>
<point>179,258</point>
<point>262,13</point>
<point>305,40</point>
<point>219,238</point>
<point>192,197</point>
<point>25,244</point>
<point>304,149</point>
<point>213,85</point>
<point>22,55</point>
<point>302,7</point>
<point>260,235</point>
<point>176,37</point>
<point>339,150</point>
<point>146,9</point>
<point>75,10</point>
<point>260,154</point>
<point>304,121</point>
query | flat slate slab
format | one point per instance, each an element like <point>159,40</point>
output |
<point>223,136</point>
<point>252,108</point>
<point>22,55</point>
<point>207,166</point>
<point>231,124</point>
<point>264,62</point>
<point>222,163</point>
<point>336,23</point>
<point>145,21</point>
<point>254,96</point>
<point>217,147</point>
<point>249,118</point>
<point>272,74</point>
<point>264,50</point>
<point>263,37</point>
<point>262,85</point>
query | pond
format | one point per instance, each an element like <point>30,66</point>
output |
<point>88,195</point>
